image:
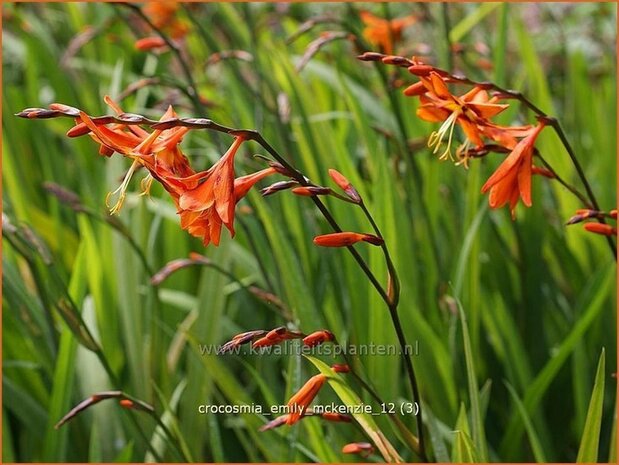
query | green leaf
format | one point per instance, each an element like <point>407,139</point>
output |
<point>590,442</point>
<point>472,20</point>
<point>477,425</point>
<point>464,450</point>
<point>536,446</point>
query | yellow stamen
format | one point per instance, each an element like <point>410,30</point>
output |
<point>121,191</point>
<point>436,138</point>
<point>145,184</point>
<point>462,153</point>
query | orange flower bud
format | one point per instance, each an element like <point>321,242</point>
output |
<point>126,403</point>
<point>336,417</point>
<point>276,336</point>
<point>362,448</point>
<point>248,334</point>
<point>149,43</point>
<point>344,239</point>
<point>240,339</point>
<point>345,185</point>
<point>339,179</point>
<point>583,214</point>
<point>420,70</point>
<point>310,191</point>
<point>278,186</point>
<point>265,342</point>
<point>66,109</point>
<point>395,60</point>
<point>318,337</point>
<point>600,228</point>
<point>613,214</point>
<point>301,400</point>
<point>340,368</point>
<point>370,56</point>
<point>279,421</point>
<point>78,130</point>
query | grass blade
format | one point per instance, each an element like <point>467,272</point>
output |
<point>590,442</point>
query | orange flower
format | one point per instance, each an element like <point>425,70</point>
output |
<point>157,151</point>
<point>470,111</point>
<point>304,397</point>
<point>362,448</point>
<point>344,239</point>
<point>205,207</point>
<point>205,201</point>
<point>512,179</point>
<point>318,337</point>
<point>384,33</point>
<point>162,13</point>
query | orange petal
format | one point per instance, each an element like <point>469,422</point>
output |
<point>506,167</point>
<point>524,179</point>
<point>471,131</point>
<point>137,130</point>
<point>301,400</point>
<point>415,90</point>
<point>243,184</point>
<point>501,192</point>
<point>432,114</point>
<point>215,228</point>
<point>200,198</point>
<point>439,87</point>
<point>120,141</point>
<point>487,110</point>
<point>223,190</point>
